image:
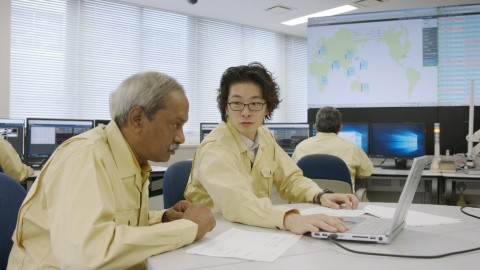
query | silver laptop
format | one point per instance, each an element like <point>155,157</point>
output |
<point>383,230</point>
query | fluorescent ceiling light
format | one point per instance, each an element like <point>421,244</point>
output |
<point>328,12</point>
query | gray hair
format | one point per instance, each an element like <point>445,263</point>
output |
<point>146,90</point>
<point>328,120</point>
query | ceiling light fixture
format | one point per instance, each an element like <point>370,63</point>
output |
<point>328,12</point>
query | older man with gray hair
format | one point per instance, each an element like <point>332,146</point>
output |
<point>88,208</point>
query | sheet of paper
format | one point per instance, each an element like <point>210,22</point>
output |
<point>255,246</point>
<point>332,212</point>
<point>414,218</point>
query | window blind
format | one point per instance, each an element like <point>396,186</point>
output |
<point>67,56</point>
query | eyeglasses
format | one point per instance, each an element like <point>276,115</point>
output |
<point>239,106</point>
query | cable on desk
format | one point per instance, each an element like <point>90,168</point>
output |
<point>333,238</point>
<point>470,206</point>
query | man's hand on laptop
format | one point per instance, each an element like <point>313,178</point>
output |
<point>336,200</point>
<point>299,224</point>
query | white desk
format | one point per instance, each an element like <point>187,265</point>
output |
<point>310,253</point>
<point>155,188</point>
<point>156,181</point>
<point>385,185</point>
<point>471,181</point>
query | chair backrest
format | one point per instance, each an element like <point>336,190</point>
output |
<point>174,182</point>
<point>328,171</point>
<point>12,195</point>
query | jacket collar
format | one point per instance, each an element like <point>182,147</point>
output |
<point>119,146</point>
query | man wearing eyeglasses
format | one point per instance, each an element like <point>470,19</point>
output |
<point>238,163</point>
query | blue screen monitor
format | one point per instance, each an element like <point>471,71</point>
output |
<point>13,131</point>
<point>357,133</point>
<point>289,135</point>
<point>45,135</point>
<point>399,140</point>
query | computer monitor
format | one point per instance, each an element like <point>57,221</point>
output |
<point>357,133</point>
<point>101,121</point>
<point>13,131</point>
<point>45,135</point>
<point>289,135</point>
<point>397,140</point>
<point>205,128</point>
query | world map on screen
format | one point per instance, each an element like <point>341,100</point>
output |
<point>373,64</point>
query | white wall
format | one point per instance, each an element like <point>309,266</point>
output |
<point>4,58</point>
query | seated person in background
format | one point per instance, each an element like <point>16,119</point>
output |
<point>328,124</point>
<point>88,208</point>
<point>238,163</point>
<point>11,163</point>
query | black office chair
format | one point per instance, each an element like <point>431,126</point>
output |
<point>327,171</point>
<point>174,182</point>
<point>12,195</point>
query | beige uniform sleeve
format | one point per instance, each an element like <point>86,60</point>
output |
<point>231,191</point>
<point>11,163</point>
<point>365,169</point>
<point>87,228</point>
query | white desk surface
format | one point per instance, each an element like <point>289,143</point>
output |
<point>158,168</point>
<point>154,169</point>
<point>427,173</point>
<point>310,253</point>
<point>381,171</point>
<point>460,174</point>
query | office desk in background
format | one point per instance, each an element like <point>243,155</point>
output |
<point>155,188</point>
<point>457,181</point>
<point>309,253</point>
<point>385,185</point>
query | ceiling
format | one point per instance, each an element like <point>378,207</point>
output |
<point>252,12</point>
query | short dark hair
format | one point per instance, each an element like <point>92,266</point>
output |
<point>328,120</point>
<point>255,73</point>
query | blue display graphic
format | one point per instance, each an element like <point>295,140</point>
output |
<point>357,133</point>
<point>400,140</point>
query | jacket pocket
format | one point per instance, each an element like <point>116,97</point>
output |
<point>127,217</point>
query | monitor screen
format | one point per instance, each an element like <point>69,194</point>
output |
<point>12,130</point>
<point>289,135</point>
<point>356,133</point>
<point>205,128</point>
<point>400,140</point>
<point>101,121</point>
<point>45,135</point>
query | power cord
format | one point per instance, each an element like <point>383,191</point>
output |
<point>333,238</point>
<point>470,206</point>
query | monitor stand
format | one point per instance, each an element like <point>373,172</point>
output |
<point>400,164</point>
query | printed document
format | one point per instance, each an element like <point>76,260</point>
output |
<point>248,245</point>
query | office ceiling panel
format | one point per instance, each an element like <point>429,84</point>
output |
<point>253,12</point>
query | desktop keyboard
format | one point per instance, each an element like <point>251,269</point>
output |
<point>35,164</point>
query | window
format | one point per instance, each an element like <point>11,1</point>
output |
<point>67,56</point>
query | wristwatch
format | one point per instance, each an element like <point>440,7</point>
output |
<point>320,194</point>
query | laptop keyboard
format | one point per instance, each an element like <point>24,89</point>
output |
<point>369,225</point>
